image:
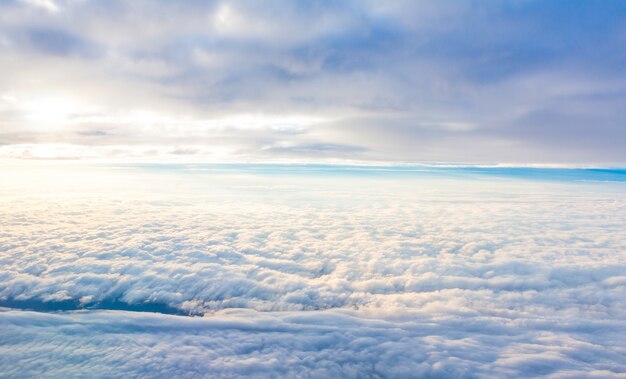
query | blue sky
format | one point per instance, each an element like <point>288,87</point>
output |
<point>522,82</point>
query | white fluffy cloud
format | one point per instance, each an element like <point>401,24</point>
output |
<point>303,344</point>
<point>351,274</point>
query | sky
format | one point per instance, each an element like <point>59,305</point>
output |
<point>492,82</point>
<point>312,189</point>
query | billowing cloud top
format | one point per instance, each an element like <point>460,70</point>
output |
<point>516,81</point>
<point>336,273</point>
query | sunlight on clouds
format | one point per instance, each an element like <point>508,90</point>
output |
<point>128,153</point>
<point>8,98</point>
<point>52,110</point>
<point>258,121</point>
<point>46,112</point>
<point>408,81</point>
<point>312,189</point>
<point>48,5</point>
<point>353,272</point>
<point>228,21</point>
<point>45,151</point>
<point>231,22</point>
<point>266,121</point>
<point>214,139</point>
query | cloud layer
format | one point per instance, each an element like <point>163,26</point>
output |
<point>304,345</point>
<point>339,275</point>
<point>453,81</point>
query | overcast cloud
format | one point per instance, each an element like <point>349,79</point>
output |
<point>454,81</point>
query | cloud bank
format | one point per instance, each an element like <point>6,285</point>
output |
<point>304,275</point>
<point>308,345</point>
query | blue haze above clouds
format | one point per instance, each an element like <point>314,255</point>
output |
<point>455,81</point>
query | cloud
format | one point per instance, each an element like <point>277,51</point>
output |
<point>56,42</point>
<point>241,343</point>
<point>334,271</point>
<point>476,75</point>
<point>315,148</point>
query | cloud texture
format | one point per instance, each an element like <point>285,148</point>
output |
<point>356,275</point>
<point>307,345</point>
<point>464,81</point>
